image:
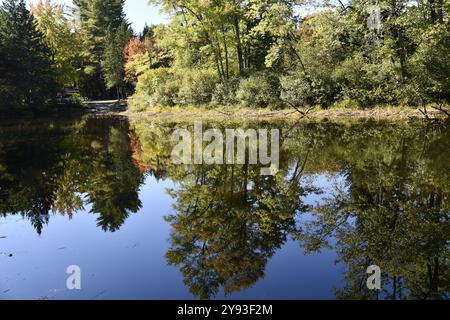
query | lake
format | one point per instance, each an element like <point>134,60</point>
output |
<point>102,193</point>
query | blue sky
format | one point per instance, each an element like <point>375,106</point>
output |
<point>138,13</point>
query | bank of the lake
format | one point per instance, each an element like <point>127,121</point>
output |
<point>182,114</point>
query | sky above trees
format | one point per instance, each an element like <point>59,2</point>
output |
<point>138,13</point>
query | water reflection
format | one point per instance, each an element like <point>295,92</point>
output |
<point>389,206</point>
<point>62,166</point>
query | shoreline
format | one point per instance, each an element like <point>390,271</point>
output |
<point>178,114</point>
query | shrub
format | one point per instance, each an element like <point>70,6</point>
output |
<point>197,87</point>
<point>369,83</point>
<point>296,90</point>
<point>430,66</point>
<point>225,93</point>
<point>259,90</point>
<point>157,87</point>
<point>299,90</point>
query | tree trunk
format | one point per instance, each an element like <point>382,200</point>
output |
<point>227,62</point>
<point>440,11</point>
<point>398,34</point>
<point>219,56</point>
<point>240,55</point>
<point>402,55</point>
<point>433,14</point>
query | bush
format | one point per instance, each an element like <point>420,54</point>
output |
<point>157,87</point>
<point>430,66</point>
<point>259,90</point>
<point>296,90</point>
<point>369,83</point>
<point>197,87</point>
<point>225,93</point>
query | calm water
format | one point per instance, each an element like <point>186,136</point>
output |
<point>103,194</point>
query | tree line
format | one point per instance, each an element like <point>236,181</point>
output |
<point>258,53</point>
<point>277,53</point>
<point>50,46</point>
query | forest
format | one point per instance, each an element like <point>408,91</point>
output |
<point>218,53</point>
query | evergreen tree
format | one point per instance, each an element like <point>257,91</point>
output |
<point>26,75</point>
<point>113,59</point>
<point>98,18</point>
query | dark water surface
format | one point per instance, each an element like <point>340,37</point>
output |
<point>102,193</point>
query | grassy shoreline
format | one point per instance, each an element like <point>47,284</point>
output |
<point>189,114</point>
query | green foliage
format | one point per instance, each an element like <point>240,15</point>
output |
<point>62,38</point>
<point>260,90</point>
<point>114,58</point>
<point>26,73</point>
<point>225,93</point>
<point>99,20</point>
<point>431,65</point>
<point>139,65</point>
<point>296,90</point>
<point>369,83</point>
<point>157,87</point>
<point>279,55</point>
<point>197,87</point>
<point>164,87</point>
<point>331,56</point>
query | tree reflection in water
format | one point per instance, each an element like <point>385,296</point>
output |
<point>391,208</point>
<point>61,166</point>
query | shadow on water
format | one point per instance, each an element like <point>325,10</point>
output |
<point>389,204</point>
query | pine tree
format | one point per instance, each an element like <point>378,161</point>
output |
<point>114,58</point>
<point>26,72</point>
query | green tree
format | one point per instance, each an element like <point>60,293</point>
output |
<point>62,38</point>
<point>357,53</point>
<point>113,60</point>
<point>26,71</point>
<point>97,19</point>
